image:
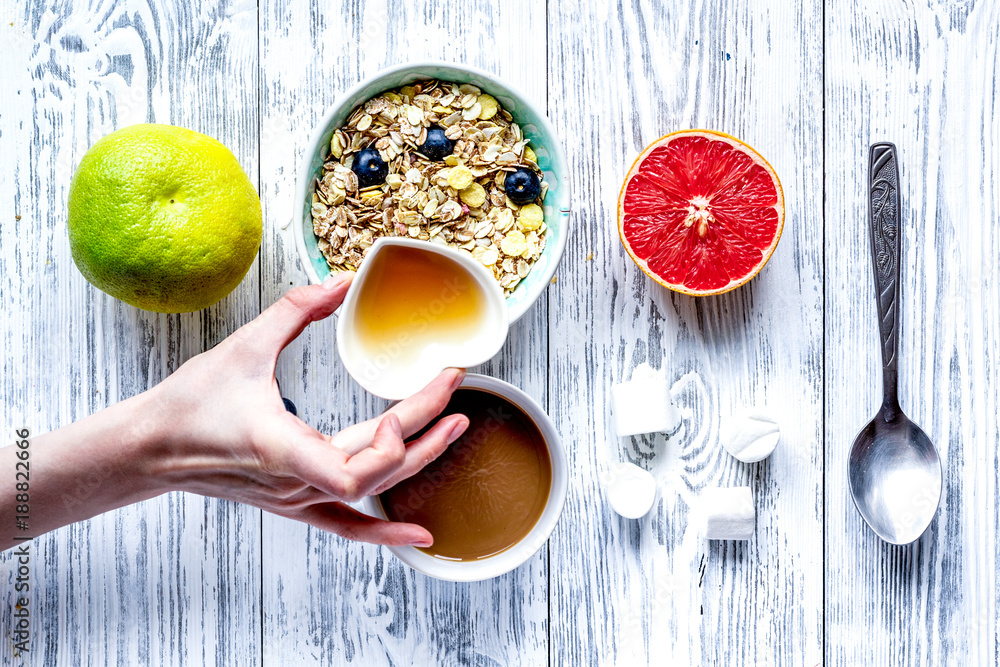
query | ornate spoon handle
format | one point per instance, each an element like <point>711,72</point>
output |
<point>883,215</point>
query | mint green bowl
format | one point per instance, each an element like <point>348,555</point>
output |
<point>534,125</point>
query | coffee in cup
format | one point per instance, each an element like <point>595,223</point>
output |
<point>487,491</point>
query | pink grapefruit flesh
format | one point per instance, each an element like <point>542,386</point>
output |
<point>700,212</point>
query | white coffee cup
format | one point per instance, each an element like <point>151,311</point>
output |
<point>505,561</point>
<point>392,375</point>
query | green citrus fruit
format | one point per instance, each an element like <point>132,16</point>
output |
<point>163,218</point>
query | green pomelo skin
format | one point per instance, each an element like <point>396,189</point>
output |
<point>163,218</point>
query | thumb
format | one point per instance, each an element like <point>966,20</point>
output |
<point>282,322</point>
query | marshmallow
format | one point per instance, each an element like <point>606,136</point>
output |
<point>643,405</point>
<point>750,437</point>
<point>728,513</point>
<point>631,490</point>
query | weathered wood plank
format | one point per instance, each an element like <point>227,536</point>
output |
<point>324,599</point>
<point>923,76</point>
<point>650,591</point>
<point>173,581</point>
<point>176,580</point>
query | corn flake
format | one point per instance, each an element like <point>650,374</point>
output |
<point>488,107</point>
<point>474,195</point>
<point>460,177</point>
<point>530,217</point>
<point>514,244</point>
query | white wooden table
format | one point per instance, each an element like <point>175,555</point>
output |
<point>185,580</point>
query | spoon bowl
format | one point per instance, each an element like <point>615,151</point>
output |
<point>893,468</point>
<point>895,477</point>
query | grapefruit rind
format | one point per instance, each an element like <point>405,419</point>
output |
<point>713,135</point>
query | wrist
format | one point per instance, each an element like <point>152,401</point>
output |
<point>95,465</point>
<point>144,443</point>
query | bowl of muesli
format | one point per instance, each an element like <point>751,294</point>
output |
<point>442,153</point>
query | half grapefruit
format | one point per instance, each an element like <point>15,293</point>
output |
<point>700,212</point>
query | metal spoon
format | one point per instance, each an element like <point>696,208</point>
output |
<point>894,470</point>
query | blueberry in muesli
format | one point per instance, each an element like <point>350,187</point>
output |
<point>370,168</point>
<point>522,186</point>
<point>437,146</point>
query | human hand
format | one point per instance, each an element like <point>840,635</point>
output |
<point>223,431</point>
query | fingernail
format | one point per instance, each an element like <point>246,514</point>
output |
<point>458,379</point>
<point>458,430</point>
<point>394,424</point>
<point>337,279</point>
<point>422,543</point>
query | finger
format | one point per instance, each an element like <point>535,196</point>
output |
<point>308,495</point>
<point>353,525</point>
<point>414,413</point>
<point>427,448</point>
<point>377,463</point>
<point>283,321</point>
<point>241,490</point>
<point>309,455</point>
<point>319,464</point>
<point>418,410</point>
